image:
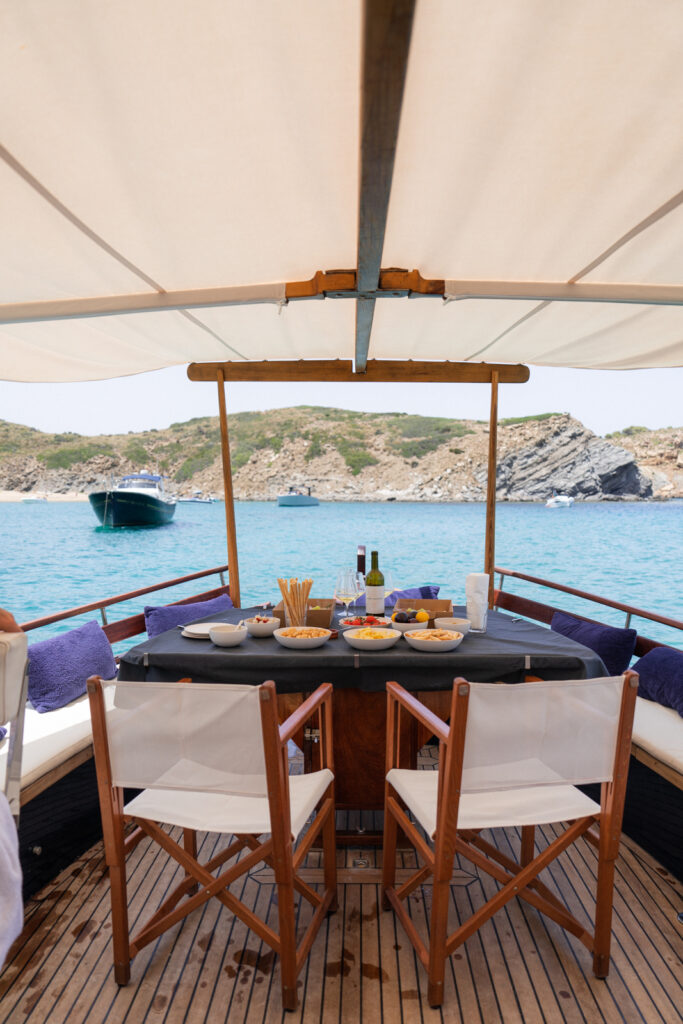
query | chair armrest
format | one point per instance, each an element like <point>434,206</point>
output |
<point>298,718</point>
<point>419,711</point>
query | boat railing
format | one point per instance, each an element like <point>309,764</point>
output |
<point>544,612</point>
<point>123,629</point>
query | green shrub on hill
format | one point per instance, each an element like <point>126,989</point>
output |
<point>64,458</point>
<point>511,420</point>
<point>200,459</point>
<point>136,453</point>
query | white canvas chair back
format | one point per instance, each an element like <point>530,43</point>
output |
<point>13,688</point>
<point>186,736</point>
<point>13,648</point>
<point>541,734</point>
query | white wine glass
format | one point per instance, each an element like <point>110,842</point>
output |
<point>346,589</point>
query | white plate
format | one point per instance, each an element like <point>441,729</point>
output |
<point>381,621</point>
<point>302,642</point>
<point>362,644</point>
<point>433,645</point>
<point>200,630</point>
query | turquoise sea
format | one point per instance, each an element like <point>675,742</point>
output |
<point>55,556</point>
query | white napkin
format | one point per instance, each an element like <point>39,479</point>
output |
<point>477,596</point>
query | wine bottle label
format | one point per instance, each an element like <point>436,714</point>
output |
<point>374,600</point>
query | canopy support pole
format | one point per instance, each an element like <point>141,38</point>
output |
<point>233,567</point>
<point>490,548</point>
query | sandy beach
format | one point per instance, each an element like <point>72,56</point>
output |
<point>51,496</point>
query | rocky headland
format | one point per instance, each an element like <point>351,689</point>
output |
<point>349,456</point>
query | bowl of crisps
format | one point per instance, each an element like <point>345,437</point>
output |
<point>371,638</point>
<point>434,639</point>
<point>302,637</point>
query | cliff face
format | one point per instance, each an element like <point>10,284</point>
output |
<point>352,456</point>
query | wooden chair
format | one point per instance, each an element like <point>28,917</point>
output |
<point>212,758</point>
<point>13,691</point>
<point>512,756</point>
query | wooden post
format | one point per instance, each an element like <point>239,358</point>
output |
<point>490,549</point>
<point>233,567</point>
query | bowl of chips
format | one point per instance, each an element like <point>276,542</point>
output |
<point>371,638</point>
<point>302,636</point>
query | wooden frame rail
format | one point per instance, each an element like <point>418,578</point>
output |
<point>134,624</point>
<point>544,612</point>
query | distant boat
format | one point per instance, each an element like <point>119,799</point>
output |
<point>138,500</point>
<point>34,501</point>
<point>296,497</point>
<point>559,501</point>
<point>199,498</point>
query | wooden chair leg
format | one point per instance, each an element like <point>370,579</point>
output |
<point>388,852</point>
<point>528,843</point>
<point>603,917</point>
<point>438,932</point>
<point>119,923</point>
<point>190,846</point>
<point>330,857</point>
<point>285,899</point>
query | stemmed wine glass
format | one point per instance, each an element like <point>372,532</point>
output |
<point>348,588</point>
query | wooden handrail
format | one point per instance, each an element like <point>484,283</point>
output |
<point>620,606</point>
<point>98,605</point>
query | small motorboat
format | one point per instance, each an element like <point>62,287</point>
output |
<point>138,500</point>
<point>296,497</point>
<point>37,500</point>
<point>559,501</point>
<point>198,498</point>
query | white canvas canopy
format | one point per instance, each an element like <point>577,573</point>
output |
<point>172,174</point>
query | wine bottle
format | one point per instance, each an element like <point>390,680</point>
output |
<point>374,588</point>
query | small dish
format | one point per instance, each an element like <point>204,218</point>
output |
<point>405,627</point>
<point>356,621</point>
<point>459,625</point>
<point>436,643</point>
<point>262,625</point>
<point>200,630</point>
<point>227,635</point>
<point>355,638</point>
<point>317,636</point>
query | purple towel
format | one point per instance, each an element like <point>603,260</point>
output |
<point>168,616</point>
<point>3,732</point>
<point>59,668</point>
<point>412,593</point>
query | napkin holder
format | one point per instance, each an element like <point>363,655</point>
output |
<point>438,607</point>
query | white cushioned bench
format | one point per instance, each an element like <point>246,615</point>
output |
<point>54,743</point>
<point>658,739</point>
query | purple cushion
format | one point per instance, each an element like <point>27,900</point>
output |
<point>661,677</point>
<point>3,732</point>
<point>412,593</point>
<point>168,616</point>
<point>58,668</point>
<point>614,646</point>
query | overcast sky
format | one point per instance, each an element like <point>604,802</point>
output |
<point>603,400</point>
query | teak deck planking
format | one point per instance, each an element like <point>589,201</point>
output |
<point>518,969</point>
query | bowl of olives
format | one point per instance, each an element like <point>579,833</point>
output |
<point>405,619</point>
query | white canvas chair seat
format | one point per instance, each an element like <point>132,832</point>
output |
<point>13,690</point>
<point>232,814</point>
<point>213,758</point>
<point>531,805</point>
<point>510,756</point>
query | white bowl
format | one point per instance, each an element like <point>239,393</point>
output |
<point>302,642</point>
<point>227,635</point>
<point>421,644</point>
<point>364,644</point>
<point>404,627</point>
<point>459,625</point>
<point>262,628</point>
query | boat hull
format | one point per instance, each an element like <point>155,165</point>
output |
<point>116,508</point>
<point>297,500</point>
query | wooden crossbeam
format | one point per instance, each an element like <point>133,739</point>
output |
<point>377,371</point>
<point>387,28</point>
